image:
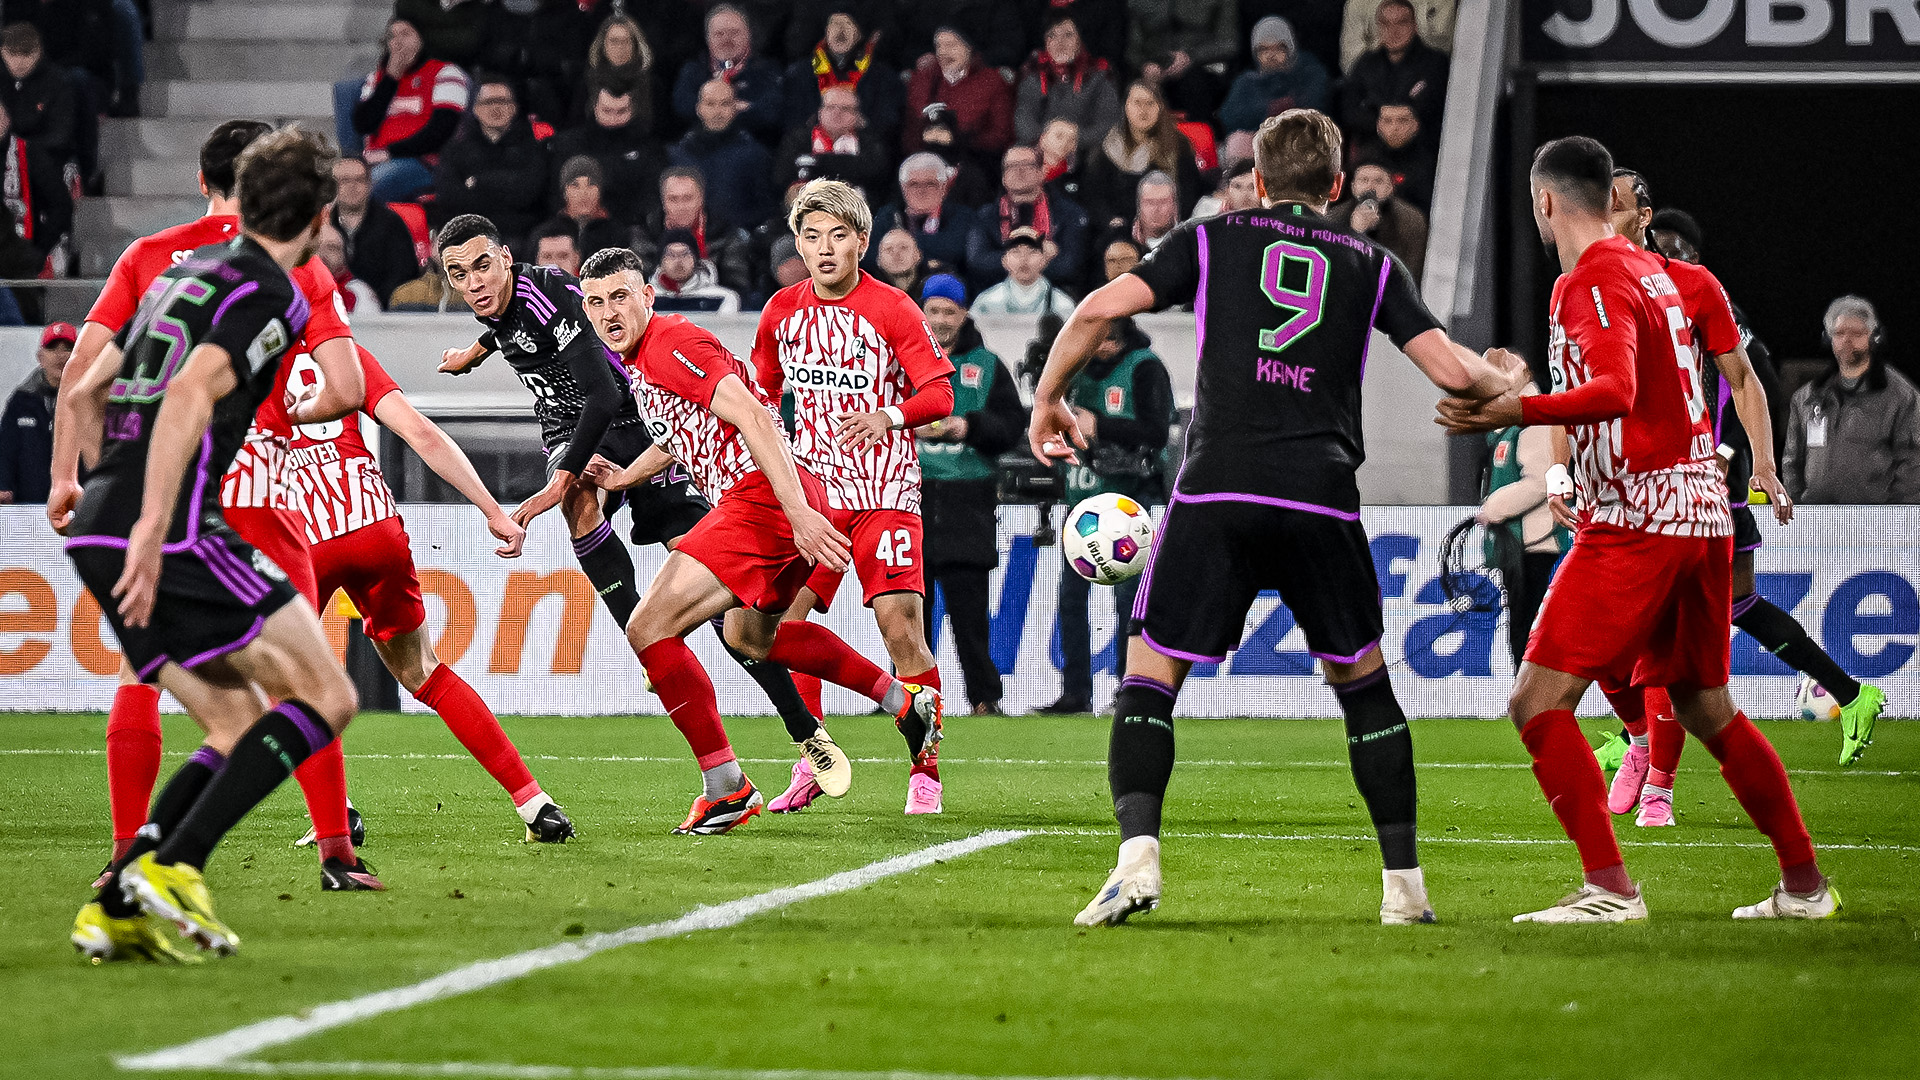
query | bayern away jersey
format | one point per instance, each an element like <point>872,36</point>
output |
<point>1619,335</point>
<point>860,353</point>
<point>677,366</point>
<point>335,481</point>
<point>253,480</point>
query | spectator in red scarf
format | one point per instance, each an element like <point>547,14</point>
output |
<point>729,58</point>
<point>1060,160</point>
<point>1026,203</point>
<point>977,100</point>
<point>846,56</point>
<point>410,106</point>
<point>836,145</point>
<point>34,193</point>
<point>683,205</point>
<point>1063,81</point>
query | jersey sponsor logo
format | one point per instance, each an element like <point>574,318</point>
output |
<point>267,567</point>
<point>659,430</point>
<point>971,375</point>
<point>565,331</point>
<point>689,365</point>
<point>831,379</point>
<point>268,344</point>
<point>1600,308</point>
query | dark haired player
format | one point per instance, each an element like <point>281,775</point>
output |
<point>768,532</point>
<point>1643,597</point>
<point>1287,303</point>
<point>585,407</point>
<point>195,607</point>
<point>1675,234</point>
<point>254,498</point>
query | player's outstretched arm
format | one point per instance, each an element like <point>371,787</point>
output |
<point>1750,405</point>
<point>342,385</point>
<point>607,476</point>
<point>813,534</point>
<point>1462,372</point>
<point>1052,433</point>
<point>204,379</point>
<point>462,360</point>
<point>450,463</point>
<point>78,410</point>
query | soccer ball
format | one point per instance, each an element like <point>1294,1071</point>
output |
<point>1108,538</point>
<point>1814,702</point>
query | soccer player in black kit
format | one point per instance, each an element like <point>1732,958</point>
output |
<point>195,607</point>
<point>1286,303</point>
<point>586,407</point>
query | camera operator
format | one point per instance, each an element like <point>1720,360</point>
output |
<point>1123,403</point>
<point>1378,213</point>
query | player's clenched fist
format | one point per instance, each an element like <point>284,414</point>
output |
<point>1053,433</point>
<point>459,361</point>
<point>62,500</point>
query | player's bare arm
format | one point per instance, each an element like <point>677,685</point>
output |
<point>1750,405</point>
<point>605,474</point>
<point>342,390</point>
<point>450,463</point>
<point>1463,373</point>
<point>813,534</point>
<point>78,412</point>
<point>204,379</point>
<point>1053,432</point>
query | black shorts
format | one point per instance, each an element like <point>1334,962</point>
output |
<point>214,596</point>
<point>1213,558</point>
<point>1746,530</point>
<point>664,508</point>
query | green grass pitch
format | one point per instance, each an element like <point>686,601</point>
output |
<point>1265,960</point>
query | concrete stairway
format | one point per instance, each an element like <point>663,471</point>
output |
<point>212,60</point>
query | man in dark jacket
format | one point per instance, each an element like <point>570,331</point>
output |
<point>1124,404</point>
<point>630,160</point>
<point>938,224</point>
<point>737,170</point>
<point>957,496</point>
<point>38,95</point>
<point>1026,202</point>
<point>380,248</point>
<point>683,205</point>
<point>494,167</point>
<point>26,427</point>
<point>729,58</point>
<point>1853,434</point>
<point>1403,69</point>
<point>834,144</point>
<point>35,190</point>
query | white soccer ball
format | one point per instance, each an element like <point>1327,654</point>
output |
<point>1814,702</point>
<point>1108,538</point>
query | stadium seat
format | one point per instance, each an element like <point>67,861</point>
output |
<point>415,216</point>
<point>1205,150</point>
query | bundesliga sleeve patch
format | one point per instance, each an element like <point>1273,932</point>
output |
<point>268,344</point>
<point>1600,308</point>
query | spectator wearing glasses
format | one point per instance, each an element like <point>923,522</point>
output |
<point>494,166</point>
<point>1026,203</point>
<point>938,224</point>
<point>1402,70</point>
<point>379,246</point>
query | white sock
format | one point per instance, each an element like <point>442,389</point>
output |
<point>723,779</point>
<point>895,698</point>
<point>1649,789</point>
<point>1138,848</point>
<point>1413,879</point>
<point>530,809</point>
<point>1637,740</point>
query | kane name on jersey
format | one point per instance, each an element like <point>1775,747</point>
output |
<point>1618,313</point>
<point>335,482</point>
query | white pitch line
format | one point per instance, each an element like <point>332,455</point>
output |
<point>216,1051</point>
<point>502,1071</point>
<point>1495,841</point>
<point>1206,763</point>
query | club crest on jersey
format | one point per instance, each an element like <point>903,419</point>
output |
<point>971,375</point>
<point>523,341</point>
<point>1500,453</point>
<point>831,379</point>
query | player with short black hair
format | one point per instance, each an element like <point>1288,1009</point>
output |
<point>1286,302</point>
<point>1579,169</point>
<point>586,407</point>
<point>194,606</point>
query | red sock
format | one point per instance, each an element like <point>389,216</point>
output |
<point>323,780</point>
<point>471,722</point>
<point>812,649</point>
<point>1577,792</point>
<point>133,759</point>
<point>929,762</point>
<point>1759,781</point>
<point>809,688</point>
<point>684,688</point>
<point>1665,739</point>
<point>1630,705</point>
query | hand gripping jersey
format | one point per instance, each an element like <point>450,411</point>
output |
<point>677,367</point>
<point>1619,336</point>
<point>860,353</point>
<point>253,480</point>
<point>334,479</point>
<point>231,295</point>
<point>576,385</point>
<point>1286,303</point>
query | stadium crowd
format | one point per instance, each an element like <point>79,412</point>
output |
<point>682,128</point>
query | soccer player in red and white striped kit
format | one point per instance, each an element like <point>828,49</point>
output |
<point>865,371</point>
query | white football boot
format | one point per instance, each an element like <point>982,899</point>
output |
<point>1824,904</point>
<point>1133,887</point>
<point>1403,898</point>
<point>1592,904</point>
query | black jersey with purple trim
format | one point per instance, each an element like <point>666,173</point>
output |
<point>577,386</point>
<point>232,295</point>
<point>1726,422</point>
<point>1285,303</point>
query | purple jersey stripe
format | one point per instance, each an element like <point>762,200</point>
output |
<point>233,646</point>
<point>1200,300</point>
<point>1267,500</point>
<point>1192,658</point>
<point>1145,683</point>
<point>247,583</point>
<point>233,298</point>
<point>1386,267</point>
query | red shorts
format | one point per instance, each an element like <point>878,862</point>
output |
<point>375,566</point>
<point>747,541</point>
<point>886,555</point>
<point>280,535</point>
<point>1635,608</point>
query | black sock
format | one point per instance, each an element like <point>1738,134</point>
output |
<point>777,683</point>
<point>1380,749</point>
<point>1783,636</point>
<point>604,559</point>
<point>1140,755</point>
<point>174,799</point>
<point>265,756</point>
